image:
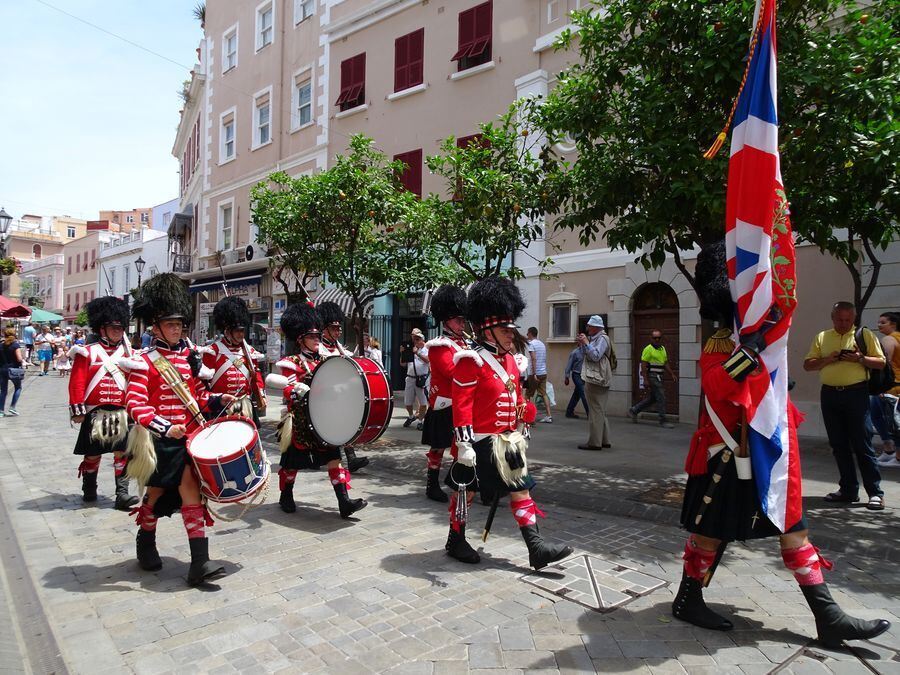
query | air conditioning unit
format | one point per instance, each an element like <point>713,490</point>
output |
<point>231,257</point>
<point>254,252</point>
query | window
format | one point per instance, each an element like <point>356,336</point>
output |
<point>69,264</point>
<point>36,252</point>
<point>129,219</point>
<point>303,9</point>
<point>229,50</point>
<point>145,217</point>
<point>474,36</point>
<point>226,137</point>
<point>77,300</point>
<point>353,82</point>
<point>93,257</point>
<point>262,113</point>
<point>411,178</point>
<point>92,295</point>
<point>126,277</point>
<point>77,263</point>
<point>302,103</point>
<point>466,141</point>
<point>111,280</point>
<point>563,315</point>
<point>225,227</point>
<point>70,232</point>
<point>167,218</point>
<point>409,58</point>
<point>552,10</point>
<point>68,302</point>
<point>265,16</point>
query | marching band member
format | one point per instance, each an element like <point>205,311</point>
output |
<point>97,398</point>
<point>721,505</point>
<point>233,362</point>
<point>448,307</point>
<point>330,345</point>
<point>487,409</point>
<point>302,327</point>
<point>165,397</point>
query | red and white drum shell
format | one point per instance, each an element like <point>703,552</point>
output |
<point>349,401</point>
<point>229,459</point>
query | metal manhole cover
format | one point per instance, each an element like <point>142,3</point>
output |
<point>593,582</point>
<point>664,494</point>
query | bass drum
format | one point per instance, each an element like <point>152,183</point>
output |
<point>349,401</point>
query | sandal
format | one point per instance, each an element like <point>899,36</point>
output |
<point>840,498</point>
<point>876,503</point>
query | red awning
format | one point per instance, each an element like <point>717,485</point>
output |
<point>10,309</point>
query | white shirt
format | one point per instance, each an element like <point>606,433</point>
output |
<point>418,366</point>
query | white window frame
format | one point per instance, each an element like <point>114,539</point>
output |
<point>300,14</point>
<point>301,77</point>
<point>129,219</point>
<point>220,221</point>
<point>232,112</point>
<point>231,32</point>
<point>145,217</point>
<point>112,280</point>
<point>126,278</point>
<point>70,231</point>
<point>562,299</point>
<point>257,136</point>
<point>551,6</point>
<point>260,10</point>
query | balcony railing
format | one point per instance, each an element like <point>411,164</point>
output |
<point>181,262</point>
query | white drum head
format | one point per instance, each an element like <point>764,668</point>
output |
<point>337,400</point>
<point>221,439</point>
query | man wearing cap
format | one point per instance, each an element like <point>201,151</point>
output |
<point>595,347</point>
<point>417,371</point>
<point>654,363</point>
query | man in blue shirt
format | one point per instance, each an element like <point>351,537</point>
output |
<point>28,335</point>
<point>573,371</point>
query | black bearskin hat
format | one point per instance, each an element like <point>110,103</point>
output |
<point>299,320</point>
<point>231,312</point>
<point>447,302</point>
<point>106,310</point>
<point>494,301</point>
<point>163,297</point>
<point>711,281</point>
<point>330,312</point>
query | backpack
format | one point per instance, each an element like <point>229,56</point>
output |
<point>882,380</point>
<point>611,355</point>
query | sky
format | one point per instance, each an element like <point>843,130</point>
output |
<point>87,121</point>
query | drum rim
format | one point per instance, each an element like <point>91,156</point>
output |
<point>218,420</point>
<point>390,398</point>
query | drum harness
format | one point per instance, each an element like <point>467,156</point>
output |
<point>173,378</point>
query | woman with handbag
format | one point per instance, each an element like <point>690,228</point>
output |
<point>11,370</point>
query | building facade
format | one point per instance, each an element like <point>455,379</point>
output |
<point>161,215</point>
<point>125,221</point>
<point>81,270</point>
<point>117,274</point>
<point>41,281</point>
<point>34,237</point>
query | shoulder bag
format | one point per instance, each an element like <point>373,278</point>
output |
<point>598,372</point>
<point>882,380</point>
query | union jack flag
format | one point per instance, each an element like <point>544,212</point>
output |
<point>760,252</point>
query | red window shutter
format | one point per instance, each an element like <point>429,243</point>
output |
<point>93,255</point>
<point>78,263</point>
<point>466,33</point>
<point>346,80</point>
<point>69,265</point>
<point>416,58</point>
<point>466,141</point>
<point>92,295</point>
<point>401,63</point>
<point>483,19</point>
<point>77,300</point>
<point>411,178</point>
<point>359,72</point>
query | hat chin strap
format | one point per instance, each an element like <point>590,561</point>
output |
<point>495,343</point>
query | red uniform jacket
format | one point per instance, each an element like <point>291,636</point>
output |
<point>480,399</point>
<point>86,365</point>
<point>232,380</point>
<point>441,351</point>
<point>296,369</point>
<point>150,401</point>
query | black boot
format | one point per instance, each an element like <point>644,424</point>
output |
<point>457,546</point>
<point>348,506</point>
<point>124,501</point>
<point>540,553</point>
<point>147,555</point>
<point>201,568</point>
<point>354,463</point>
<point>433,487</point>
<point>832,625</point>
<point>89,487</point>
<point>689,606</point>
<point>287,499</point>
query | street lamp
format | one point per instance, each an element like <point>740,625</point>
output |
<point>139,266</point>
<point>5,220</point>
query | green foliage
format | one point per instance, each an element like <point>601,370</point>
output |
<point>81,319</point>
<point>652,89</point>
<point>498,191</point>
<point>353,224</point>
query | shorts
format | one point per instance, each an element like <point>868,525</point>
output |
<point>45,356</point>
<point>412,393</point>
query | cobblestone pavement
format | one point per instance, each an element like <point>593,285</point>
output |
<point>309,592</point>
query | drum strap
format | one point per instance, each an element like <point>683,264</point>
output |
<point>231,359</point>
<point>109,366</point>
<point>172,376</point>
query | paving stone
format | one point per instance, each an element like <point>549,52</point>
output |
<point>485,655</point>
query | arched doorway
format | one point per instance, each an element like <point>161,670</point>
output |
<point>655,307</point>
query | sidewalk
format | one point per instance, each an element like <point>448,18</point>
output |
<point>311,593</point>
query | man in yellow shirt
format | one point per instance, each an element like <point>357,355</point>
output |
<point>845,401</point>
<point>654,363</point>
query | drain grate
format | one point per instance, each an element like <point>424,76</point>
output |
<point>593,582</point>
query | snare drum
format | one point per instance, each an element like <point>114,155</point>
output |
<point>349,401</point>
<point>229,459</point>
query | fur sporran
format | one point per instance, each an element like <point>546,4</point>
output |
<point>109,427</point>
<point>141,454</point>
<point>509,457</point>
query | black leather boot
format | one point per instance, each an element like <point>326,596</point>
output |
<point>354,463</point>
<point>433,487</point>
<point>689,606</point>
<point>348,506</point>
<point>286,501</point>
<point>833,625</point>
<point>147,555</point>
<point>201,568</point>
<point>540,553</point>
<point>457,546</point>
<point>89,487</point>
<point>124,501</point>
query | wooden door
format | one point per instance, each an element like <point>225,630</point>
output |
<point>655,307</point>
